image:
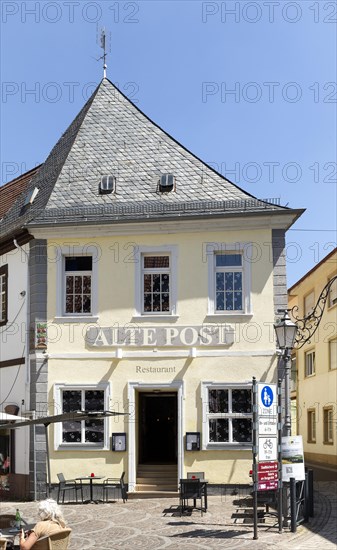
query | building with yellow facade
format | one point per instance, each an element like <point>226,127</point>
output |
<point>154,285</point>
<point>316,364</point>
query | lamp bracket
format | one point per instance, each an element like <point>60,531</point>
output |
<point>308,325</point>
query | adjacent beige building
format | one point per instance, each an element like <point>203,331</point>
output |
<point>316,364</point>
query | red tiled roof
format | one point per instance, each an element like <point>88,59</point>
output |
<point>11,190</point>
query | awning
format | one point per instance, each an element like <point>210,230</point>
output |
<point>4,417</point>
<point>46,420</point>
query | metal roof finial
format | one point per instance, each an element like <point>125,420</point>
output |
<point>103,43</point>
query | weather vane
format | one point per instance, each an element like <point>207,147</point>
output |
<point>103,39</point>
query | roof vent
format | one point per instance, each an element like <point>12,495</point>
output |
<point>107,185</point>
<point>166,183</point>
<point>31,196</point>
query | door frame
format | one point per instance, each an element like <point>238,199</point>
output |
<point>168,402</point>
<point>177,386</point>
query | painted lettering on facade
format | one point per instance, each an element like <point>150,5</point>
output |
<point>206,335</point>
<point>151,370</point>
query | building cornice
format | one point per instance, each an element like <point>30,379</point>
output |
<point>279,220</point>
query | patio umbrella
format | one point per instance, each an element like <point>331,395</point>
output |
<point>72,416</point>
<point>4,417</point>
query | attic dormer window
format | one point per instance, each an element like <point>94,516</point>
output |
<point>166,183</point>
<point>30,197</point>
<point>107,185</point>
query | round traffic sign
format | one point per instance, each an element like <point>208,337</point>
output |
<point>267,396</point>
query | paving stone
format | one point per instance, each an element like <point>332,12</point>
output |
<point>156,524</point>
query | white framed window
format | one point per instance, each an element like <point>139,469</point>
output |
<point>328,425</point>
<point>156,281</point>
<point>311,418</point>
<point>77,285</point>
<point>227,415</point>
<point>3,294</point>
<point>309,303</point>
<point>84,434</point>
<point>77,282</point>
<point>333,294</point>
<point>333,354</point>
<point>229,278</point>
<point>310,363</point>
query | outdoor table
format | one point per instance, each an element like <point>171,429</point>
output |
<point>10,533</point>
<point>203,488</point>
<point>90,479</point>
<point>203,492</point>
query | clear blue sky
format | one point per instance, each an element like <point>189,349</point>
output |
<point>275,135</point>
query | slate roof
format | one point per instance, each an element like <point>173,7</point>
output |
<point>111,135</point>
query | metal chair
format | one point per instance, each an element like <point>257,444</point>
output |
<point>114,483</point>
<point>192,489</point>
<point>68,485</point>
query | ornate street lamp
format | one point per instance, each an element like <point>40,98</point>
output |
<point>286,332</point>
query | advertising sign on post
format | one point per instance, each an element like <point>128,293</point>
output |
<point>267,476</point>
<point>292,458</point>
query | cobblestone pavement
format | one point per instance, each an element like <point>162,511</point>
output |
<point>156,524</point>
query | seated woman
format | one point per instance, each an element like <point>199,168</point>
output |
<point>52,521</point>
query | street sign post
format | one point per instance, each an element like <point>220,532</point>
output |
<point>266,443</point>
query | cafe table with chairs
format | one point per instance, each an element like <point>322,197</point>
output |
<point>9,533</point>
<point>193,488</point>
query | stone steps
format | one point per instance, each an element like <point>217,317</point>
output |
<point>153,494</point>
<point>155,480</point>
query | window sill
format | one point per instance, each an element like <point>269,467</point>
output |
<point>76,319</point>
<point>80,447</point>
<point>147,318</point>
<point>327,442</point>
<point>228,447</point>
<point>311,441</point>
<point>309,376</point>
<point>215,317</point>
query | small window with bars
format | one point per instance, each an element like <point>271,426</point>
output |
<point>229,416</point>
<point>228,282</point>
<point>156,283</point>
<point>78,282</point>
<point>79,432</point>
